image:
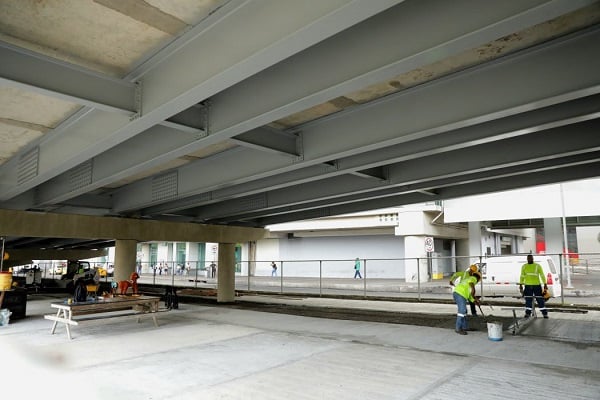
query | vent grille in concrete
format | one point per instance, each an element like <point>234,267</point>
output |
<point>28,166</point>
<point>164,186</point>
<point>81,176</point>
<point>255,202</point>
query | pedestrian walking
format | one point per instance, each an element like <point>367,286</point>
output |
<point>273,268</point>
<point>532,277</point>
<point>463,292</point>
<point>357,268</point>
<point>458,276</point>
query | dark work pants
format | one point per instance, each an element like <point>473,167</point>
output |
<point>531,291</point>
<point>473,308</point>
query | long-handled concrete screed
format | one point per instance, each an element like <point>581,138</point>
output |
<point>481,311</point>
<point>487,304</point>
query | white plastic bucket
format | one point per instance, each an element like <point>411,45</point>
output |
<point>494,331</point>
<point>5,316</point>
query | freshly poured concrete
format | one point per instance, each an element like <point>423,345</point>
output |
<point>217,352</point>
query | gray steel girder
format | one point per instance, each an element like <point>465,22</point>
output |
<point>473,25</point>
<point>176,83</point>
<point>533,178</point>
<point>553,116</point>
<point>523,82</point>
<point>34,72</point>
<point>550,149</point>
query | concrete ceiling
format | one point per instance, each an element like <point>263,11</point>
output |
<point>258,112</point>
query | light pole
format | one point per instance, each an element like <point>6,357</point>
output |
<point>566,243</point>
<point>2,256</point>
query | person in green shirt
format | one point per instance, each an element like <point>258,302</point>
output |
<point>357,268</point>
<point>458,276</point>
<point>463,292</point>
<point>532,277</point>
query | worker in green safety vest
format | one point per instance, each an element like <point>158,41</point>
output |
<point>463,292</point>
<point>459,276</point>
<point>532,277</point>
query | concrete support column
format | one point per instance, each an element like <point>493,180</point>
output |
<point>251,258</point>
<point>125,258</point>
<point>226,273</point>
<point>414,247</point>
<point>475,241</point>
<point>553,236</point>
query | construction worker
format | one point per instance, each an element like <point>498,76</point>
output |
<point>532,277</point>
<point>463,292</point>
<point>458,276</point>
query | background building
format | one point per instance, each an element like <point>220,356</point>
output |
<point>517,221</point>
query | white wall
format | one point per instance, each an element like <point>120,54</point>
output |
<point>488,239</point>
<point>588,239</point>
<point>267,250</point>
<point>336,253</point>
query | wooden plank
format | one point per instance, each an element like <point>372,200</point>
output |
<point>110,304</point>
<point>141,305</point>
<point>61,319</point>
<point>103,316</point>
<point>88,311</point>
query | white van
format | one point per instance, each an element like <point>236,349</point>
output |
<point>500,275</point>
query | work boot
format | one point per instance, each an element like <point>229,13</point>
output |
<point>546,316</point>
<point>461,332</point>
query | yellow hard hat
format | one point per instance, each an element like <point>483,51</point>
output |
<point>473,268</point>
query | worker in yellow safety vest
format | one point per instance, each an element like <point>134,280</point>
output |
<point>463,292</point>
<point>459,276</point>
<point>532,277</point>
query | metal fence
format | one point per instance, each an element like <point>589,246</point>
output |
<point>379,278</point>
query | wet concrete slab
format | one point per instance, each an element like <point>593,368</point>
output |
<point>208,351</point>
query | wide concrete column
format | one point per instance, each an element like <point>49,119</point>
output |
<point>414,247</point>
<point>226,273</point>
<point>125,258</point>
<point>475,241</point>
<point>553,236</point>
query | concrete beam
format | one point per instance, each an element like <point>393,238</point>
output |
<point>25,223</point>
<point>38,254</point>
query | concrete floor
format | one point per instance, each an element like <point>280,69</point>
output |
<point>218,352</point>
